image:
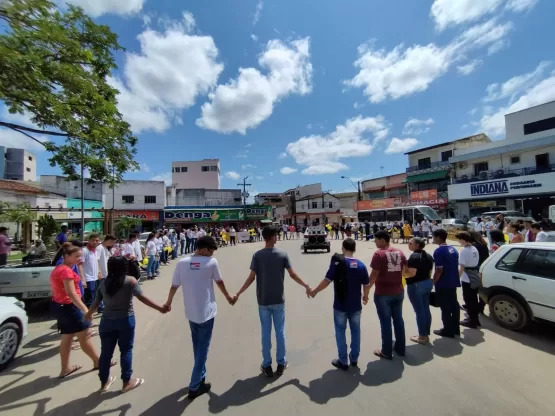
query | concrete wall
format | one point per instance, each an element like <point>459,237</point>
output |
<point>20,165</point>
<point>307,206</point>
<point>71,189</point>
<point>514,123</point>
<point>194,177</point>
<point>140,190</point>
<point>458,147</point>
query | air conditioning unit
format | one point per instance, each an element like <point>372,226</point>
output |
<point>462,165</point>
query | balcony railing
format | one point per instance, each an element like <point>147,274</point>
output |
<point>432,165</point>
<point>503,174</point>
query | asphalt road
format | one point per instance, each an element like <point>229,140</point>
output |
<point>486,372</point>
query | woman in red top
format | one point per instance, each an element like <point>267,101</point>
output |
<point>69,309</point>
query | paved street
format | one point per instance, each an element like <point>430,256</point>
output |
<point>487,372</point>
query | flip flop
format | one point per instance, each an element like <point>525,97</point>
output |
<point>379,353</point>
<point>75,347</point>
<point>112,363</point>
<point>418,340</point>
<point>138,382</point>
<point>108,384</point>
<point>72,370</point>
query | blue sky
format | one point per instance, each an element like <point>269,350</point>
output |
<point>291,93</point>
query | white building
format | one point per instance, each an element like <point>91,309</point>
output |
<point>203,197</point>
<point>18,164</point>
<point>203,174</point>
<point>318,208</point>
<point>71,189</point>
<point>286,207</point>
<point>517,173</point>
<point>136,196</point>
<point>347,204</point>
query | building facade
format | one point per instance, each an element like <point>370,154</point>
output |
<point>429,173</point>
<point>60,185</point>
<point>319,208</point>
<point>202,174</point>
<point>515,174</point>
<point>203,197</point>
<point>285,211</point>
<point>18,164</point>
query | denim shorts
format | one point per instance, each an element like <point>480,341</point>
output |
<point>70,318</point>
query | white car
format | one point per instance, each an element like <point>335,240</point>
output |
<point>13,328</point>
<point>316,238</point>
<point>519,284</point>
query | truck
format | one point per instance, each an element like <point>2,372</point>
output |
<point>316,238</point>
<point>27,281</point>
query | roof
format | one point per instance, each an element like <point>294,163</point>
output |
<point>435,146</point>
<point>529,108</point>
<point>544,141</point>
<point>430,176</point>
<point>18,186</point>
<point>316,196</point>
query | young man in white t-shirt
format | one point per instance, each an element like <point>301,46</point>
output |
<point>232,236</point>
<point>469,258</point>
<point>91,270</point>
<point>425,228</point>
<point>131,257</point>
<point>196,275</point>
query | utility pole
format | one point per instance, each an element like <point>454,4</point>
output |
<point>82,193</point>
<point>324,207</point>
<point>245,185</point>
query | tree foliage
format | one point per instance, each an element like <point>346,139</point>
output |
<point>46,228</point>
<point>55,67</point>
<point>19,214</point>
<point>125,225</point>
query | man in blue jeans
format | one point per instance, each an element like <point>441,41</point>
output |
<point>387,265</point>
<point>196,274</point>
<point>348,275</point>
<point>268,269</point>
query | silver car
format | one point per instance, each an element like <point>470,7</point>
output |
<point>452,224</point>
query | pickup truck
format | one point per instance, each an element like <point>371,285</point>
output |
<point>27,281</point>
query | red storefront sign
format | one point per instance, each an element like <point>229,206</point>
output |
<point>430,194</point>
<point>434,203</point>
<point>142,215</point>
<point>375,204</point>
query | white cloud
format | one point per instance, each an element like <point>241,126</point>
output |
<point>11,138</point>
<point>164,177</point>
<point>493,119</point>
<point>254,37</point>
<point>470,67</point>
<point>521,5</point>
<point>97,8</point>
<point>257,12</point>
<point>356,138</point>
<point>248,166</point>
<point>232,175</point>
<point>416,127</point>
<point>143,167</point>
<point>401,145</point>
<point>287,170</point>
<point>282,155</point>
<point>498,46</point>
<point>404,71</point>
<point>158,83</point>
<point>454,12</point>
<point>516,84</point>
<point>249,99</point>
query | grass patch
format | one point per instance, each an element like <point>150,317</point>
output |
<point>16,256</point>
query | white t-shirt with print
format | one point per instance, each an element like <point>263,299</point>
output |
<point>151,248</point>
<point>489,225</point>
<point>469,257</point>
<point>196,276</point>
<point>232,232</point>
<point>541,236</point>
<point>425,225</point>
<point>479,227</point>
<point>128,250</point>
<point>90,264</point>
<point>159,244</point>
<point>137,249</point>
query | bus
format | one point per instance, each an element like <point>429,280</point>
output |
<point>399,214</point>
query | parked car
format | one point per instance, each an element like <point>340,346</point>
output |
<point>519,284</point>
<point>13,328</point>
<point>26,281</point>
<point>509,215</point>
<point>452,224</point>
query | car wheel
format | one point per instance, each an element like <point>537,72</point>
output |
<point>305,250</point>
<point>329,249</point>
<point>508,312</point>
<point>9,342</point>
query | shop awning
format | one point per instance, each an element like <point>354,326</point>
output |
<point>423,177</point>
<point>266,221</point>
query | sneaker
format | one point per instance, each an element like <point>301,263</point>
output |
<point>202,389</point>
<point>463,307</point>
<point>281,368</point>
<point>441,333</point>
<point>338,364</point>
<point>267,371</point>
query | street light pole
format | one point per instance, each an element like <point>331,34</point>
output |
<point>357,187</point>
<point>82,193</point>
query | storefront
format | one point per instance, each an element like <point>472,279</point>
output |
<point>150,220</point>
<point>224,216</point>
<point>530,194</point>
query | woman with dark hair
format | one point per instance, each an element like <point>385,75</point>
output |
<point>478,241</point>
<point>497,239</point>
<point>419,286</point>
<point>150,247</point>
<point>515,229</point>
<point>117,325</point>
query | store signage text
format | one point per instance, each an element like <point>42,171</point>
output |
<point>140,215</point>
<point>501,187</point>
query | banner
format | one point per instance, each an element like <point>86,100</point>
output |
<point>430,194</point>
<point>375,204</point>
<point>142,215</point>
<point>434,203</point>
<point>203,215</point>
<point>259,212</point>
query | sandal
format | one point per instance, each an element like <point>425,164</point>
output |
<point>108,384</point>
<point>418,340</point>
<point>72,370</point>
<point>75,347</point>
<point>112,363</point>
<point>379,353</point>
<point>137,382</point>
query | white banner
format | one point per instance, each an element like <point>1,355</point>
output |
<point>243,236</point>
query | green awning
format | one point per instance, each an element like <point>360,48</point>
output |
<point>423,177</point>
<point>266,221</point>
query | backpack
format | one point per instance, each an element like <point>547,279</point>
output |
<point>340,277</point>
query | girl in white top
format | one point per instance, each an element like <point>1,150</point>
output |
<point>151,251</point>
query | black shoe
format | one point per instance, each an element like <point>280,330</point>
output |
<point>267,371</point>
<point>281,368</point>
<point>338,364</point>
<point>463,308</point>
<point>354,364</point>
<point>442,333</point>
<point>202,389</point>
<point>468,324</point>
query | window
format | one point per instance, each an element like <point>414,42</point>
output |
<point>30,158</point>
<point>183,169</point>
<point>542,161</point>
<point>177,169</point>
<point>150,199</point>
<point>515,160</point>
<point>127,199</point>
<point>480,167</point>
<point>394,215</point>
<point>538,263</point>
<point>538,126</point>
<point>446,155</point>
<point>425,163</point>
<point>28,169</point>
<point>205,169</point>
<point>314,205</point>
<point>213,168</point>
<point>509,260</point>
<point>330,204</point>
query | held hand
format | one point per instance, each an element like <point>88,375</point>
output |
<point>167,307</point>
<point>232,300</point>
<point>313,294</point>
<point>308,292</point>
<point>365,300</point>
<point>88,316</point>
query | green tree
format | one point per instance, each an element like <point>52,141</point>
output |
<point>20,214</point>
<point>125,225</point>
<point>46,228</point>
<point>55,66</point>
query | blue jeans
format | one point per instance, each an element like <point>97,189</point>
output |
<point>120,332</point>
<point>419,296</point>
<point>340,320</point>
<point>390,307</point>
<point>277,314</point>
<point>174,250</point>
<point>182,247</point>
<point>188,243</point>
<point>151,266</point>
<point>201,335</point>
<point>90,295</point>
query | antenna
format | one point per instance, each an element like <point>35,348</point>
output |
<point>381,168</point>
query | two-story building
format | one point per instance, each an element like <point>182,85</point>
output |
<point>201,174</point>
<point>319,209</point>
<point>430,169</point>
<point>517,173</point>
<point>285,211</point>
<point>385,192</point>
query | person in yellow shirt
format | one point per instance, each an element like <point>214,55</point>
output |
<point>407,232</point>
